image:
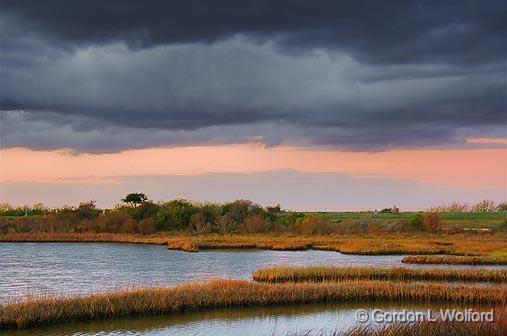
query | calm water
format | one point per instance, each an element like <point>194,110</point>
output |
<point>80,268</point>
<point>269,321</point>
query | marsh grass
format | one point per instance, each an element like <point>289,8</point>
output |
<point>456,260</point>
<point>321,274</point>
<point>416,243</point>
<point>231,293</point>
<point>437,328</point>
<point>462,244</point>
<point>85,237</point>
<point>441,328</point>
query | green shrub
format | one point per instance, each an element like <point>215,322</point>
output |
<point>174,215</point>
<point>416,222</point>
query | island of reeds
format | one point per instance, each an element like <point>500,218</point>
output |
<point>322,274</point>
<point>34,312</point>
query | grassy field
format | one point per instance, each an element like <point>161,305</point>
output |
<point>233,293</point>
<point>322,274</point>
<point>477,220</point>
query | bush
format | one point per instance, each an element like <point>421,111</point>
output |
<point>198,223</point>
<point>86,210</point>
<point>114,222</point>
<point>174,215</point>
<point>239,210</point>
<point>399,226</point>
<point>313,225</point>
<point>374,228</point>
<point>225,224</point>
<point>147,226</point>
<point>253,224</point>
<point>416,222</point>
<point>503,226</point>
<point>146,209</point>
<point>358,227</point>
<point>431,222</point>
<point>394,209</point>
<point>502,206</point>
<point>484,206</point>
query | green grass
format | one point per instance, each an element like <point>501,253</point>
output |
<point>487,220</point>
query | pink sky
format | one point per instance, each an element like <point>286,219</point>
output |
<point>464,167</point>
<point>313,179</point>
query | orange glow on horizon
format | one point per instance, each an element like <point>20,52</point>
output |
<point>465,167</point>
<point>495,141</point>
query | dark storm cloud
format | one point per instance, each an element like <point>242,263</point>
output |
<point>94,75</point>
<point>378,31</point>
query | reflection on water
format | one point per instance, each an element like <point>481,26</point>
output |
<point>277,320</point>
<point>81,268</point>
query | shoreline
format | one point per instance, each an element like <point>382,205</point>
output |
<point>417,248</point>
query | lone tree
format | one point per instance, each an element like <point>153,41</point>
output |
<point>134,199</point>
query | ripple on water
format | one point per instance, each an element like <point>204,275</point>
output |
<point>81,268</point>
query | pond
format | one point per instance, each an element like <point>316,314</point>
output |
<point>82,268</point>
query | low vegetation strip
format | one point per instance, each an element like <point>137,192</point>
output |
<point>455,260</point>
<point>410,244</point>
<point>231,293</point>
<point>321,274</point>
<point>86,237</point>
<point>437,328</point>
<point>348,244</point>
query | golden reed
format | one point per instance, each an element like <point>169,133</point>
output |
<point>231,293</point>
<point>320,274</point>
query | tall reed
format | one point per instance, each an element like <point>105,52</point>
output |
<point>320,274</point>
<point>231,293</point>
<point>424,328</point>
<point>454,260</point>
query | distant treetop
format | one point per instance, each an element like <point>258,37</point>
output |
<point>135,199</point>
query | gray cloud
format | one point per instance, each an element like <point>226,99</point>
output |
<point>108,76</point>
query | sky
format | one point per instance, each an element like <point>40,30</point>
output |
<point>316,105</point>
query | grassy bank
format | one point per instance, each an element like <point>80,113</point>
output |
<point>321,274</point>
<point>231,293</point>
<point>381,244</point>
<point>456,260</point>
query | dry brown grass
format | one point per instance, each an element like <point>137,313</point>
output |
<point>441,328</point>
<point>435,328</point>
<point>321,274</point>
<point>455,260</point>
<point>87,237</point>
<point>420,243</point>
<point>231,293</point>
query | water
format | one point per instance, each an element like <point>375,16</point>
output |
<point>250,321</point>
<point>81,268</point>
